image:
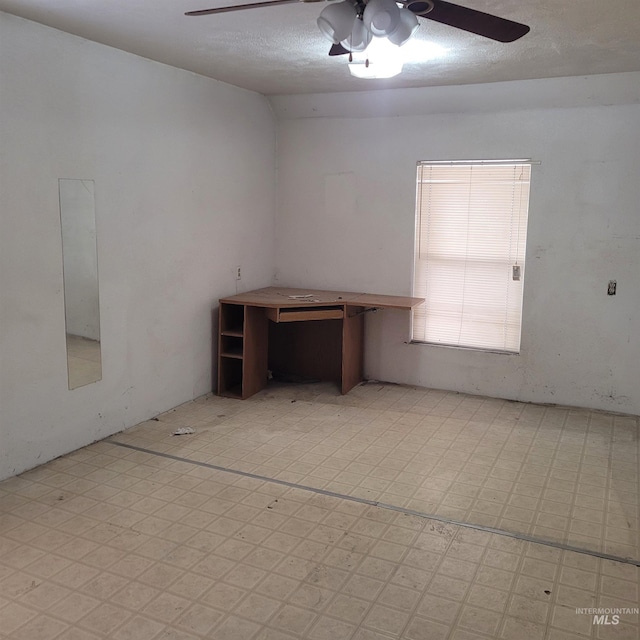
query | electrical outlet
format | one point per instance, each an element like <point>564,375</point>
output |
<point>611,288</point>
<point>238,273</point>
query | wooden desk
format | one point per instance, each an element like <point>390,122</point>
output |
<point>311,333</point>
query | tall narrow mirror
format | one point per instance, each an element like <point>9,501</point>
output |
<point>80,269</point>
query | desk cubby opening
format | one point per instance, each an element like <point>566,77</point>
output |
<point>231,346</point>
<point>232,319</point>
<point>230,377</point>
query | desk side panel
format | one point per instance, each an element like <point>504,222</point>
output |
<point>352,348</point>
<point>220,375</point>
<point>256,337</point>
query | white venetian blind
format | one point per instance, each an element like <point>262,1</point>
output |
<point>471,228</point>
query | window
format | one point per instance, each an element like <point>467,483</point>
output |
<point>471,228</point>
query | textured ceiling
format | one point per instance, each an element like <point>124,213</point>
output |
<point>279,50</point>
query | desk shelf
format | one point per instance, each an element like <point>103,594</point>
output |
<point>234,392</point>
<point>242,350</point>
<point>231,346</point>
<point>232,354</point>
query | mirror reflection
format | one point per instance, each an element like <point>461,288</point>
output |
<point>80,272</point>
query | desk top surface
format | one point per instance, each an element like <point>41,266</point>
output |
<point>278,297</point>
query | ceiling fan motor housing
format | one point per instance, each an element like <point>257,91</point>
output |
<point>419,7</point>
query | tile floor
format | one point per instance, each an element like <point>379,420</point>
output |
<point>113,542</point>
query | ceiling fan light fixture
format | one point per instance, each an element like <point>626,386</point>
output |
<point>359,38</point>
<point>336,20</point>
<point>382,59</point>
<point>406,28</point>
<point>375,70</point>
<point>381,17</point>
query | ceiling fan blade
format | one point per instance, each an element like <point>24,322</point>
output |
<point>482,24</point>
<point>238,7</point>
<point>453,15</point>
<point>337,50</point>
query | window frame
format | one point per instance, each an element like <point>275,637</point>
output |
<point>513,344</point>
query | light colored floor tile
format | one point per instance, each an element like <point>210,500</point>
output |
<point>111,542</point>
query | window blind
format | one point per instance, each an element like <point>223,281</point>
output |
<point>471,227</point>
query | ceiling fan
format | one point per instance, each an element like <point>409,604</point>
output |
<point>351,24</point>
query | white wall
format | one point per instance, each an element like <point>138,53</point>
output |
<point>346,194</point>
<point>171,154</point>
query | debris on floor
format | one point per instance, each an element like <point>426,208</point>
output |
<point>183,431</point>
